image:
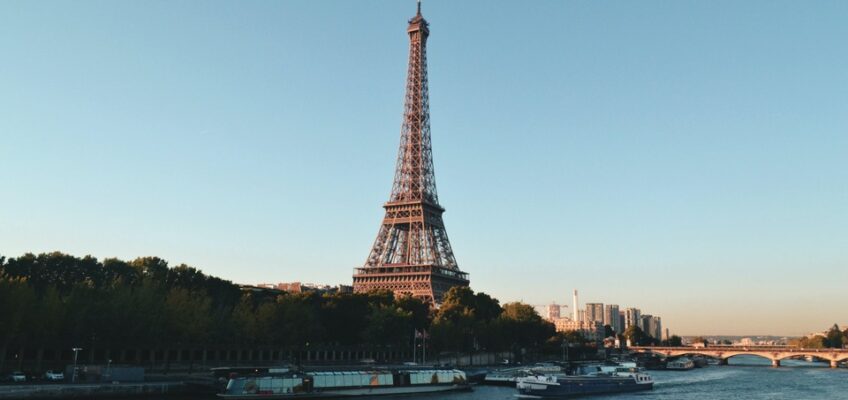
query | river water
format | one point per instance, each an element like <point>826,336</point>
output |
<point>747,377</point>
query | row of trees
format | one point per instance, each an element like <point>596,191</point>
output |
<point>834,338</point>
<point>58,301</point>
<point>638,337</point>
<point>468,321</point>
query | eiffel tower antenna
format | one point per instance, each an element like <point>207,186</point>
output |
<point>412,254</point>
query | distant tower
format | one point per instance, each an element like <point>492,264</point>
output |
<point>576,308</point>
<point>411,254</point>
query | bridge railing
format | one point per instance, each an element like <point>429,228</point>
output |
<point>740,348</point>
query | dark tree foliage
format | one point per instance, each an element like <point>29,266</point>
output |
<point>834,338</point>
<point>474,322</point>
<point>572,338</point>
<point>638,337</point>
<point>55,300</point>
<point>673,341</point>
<point>59,301</point>
<point>520,325</point>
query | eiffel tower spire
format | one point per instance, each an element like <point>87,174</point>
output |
<point>412,254</point>
<point>414,178</point>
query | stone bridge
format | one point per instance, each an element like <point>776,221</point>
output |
<point>773,353</point>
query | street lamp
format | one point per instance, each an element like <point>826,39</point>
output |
<point>76,353</point>
<point>414,345</point>
<point>424,347</point>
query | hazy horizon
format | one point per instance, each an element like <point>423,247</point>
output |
<point>685,158</point>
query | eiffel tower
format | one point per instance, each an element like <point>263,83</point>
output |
<point>411,254</point>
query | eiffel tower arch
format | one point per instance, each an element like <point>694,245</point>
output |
<point>412,254</point>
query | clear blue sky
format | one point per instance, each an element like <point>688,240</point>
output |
<point>689,158</point>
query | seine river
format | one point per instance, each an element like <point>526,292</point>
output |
<point>746,378</point>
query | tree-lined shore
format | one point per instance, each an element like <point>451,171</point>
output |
<point>54,301</point>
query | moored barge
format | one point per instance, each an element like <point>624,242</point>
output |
<point>336,384</point>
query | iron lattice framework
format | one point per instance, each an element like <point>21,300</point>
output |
<point>412,254</point>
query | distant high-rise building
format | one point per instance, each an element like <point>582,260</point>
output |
<point>621,321</point>
<point>553,312</point>
<point>576,307</point>
<point>655,327</point>
<point>632,317</point>
<point>581,315</point>
<point>595,312</point>
<point>644,321</point>
<point>651,325</point>
<point>645,324</point>
<point>611,317</point>
<point>656,324</point>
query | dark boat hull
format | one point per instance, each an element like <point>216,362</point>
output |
<point>353,392</point>
<point>506,382</point>
<point>582,386</point>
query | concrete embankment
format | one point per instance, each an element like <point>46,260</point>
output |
<point>51,391</point>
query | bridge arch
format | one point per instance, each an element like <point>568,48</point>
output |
<point>801,355</point>
<point>751,354</point>
<point>823,356</point>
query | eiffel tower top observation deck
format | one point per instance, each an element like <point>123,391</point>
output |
<point>412,254</point>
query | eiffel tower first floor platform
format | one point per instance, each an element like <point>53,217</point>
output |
<point>426,282</point>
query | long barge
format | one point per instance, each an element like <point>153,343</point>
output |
<point>336,384</point>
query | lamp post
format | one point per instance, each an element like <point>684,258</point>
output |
<point>424,348</point>
<point>565,346</point>
<point>74,374</point>
<point>109,369</point>
<point>563,350</point>
<point>414,345</point>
